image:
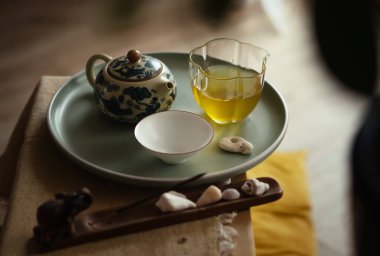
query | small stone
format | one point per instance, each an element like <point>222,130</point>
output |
<point>211,195</point>
<point>236,144</point>
<point>254,187</point>
<point>173,202</point>
<point>230,194</point>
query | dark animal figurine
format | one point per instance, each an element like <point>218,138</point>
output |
<point>55,217</point>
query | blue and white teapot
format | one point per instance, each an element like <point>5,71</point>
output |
<point>131,87</point>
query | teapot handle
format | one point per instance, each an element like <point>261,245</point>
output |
<point>90,66</point>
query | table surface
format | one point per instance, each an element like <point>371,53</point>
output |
<point>58,38</point>
<point>43,171</point>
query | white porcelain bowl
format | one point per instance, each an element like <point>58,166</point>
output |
<point>174,136</point>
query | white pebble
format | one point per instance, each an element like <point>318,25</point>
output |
<point>230,194</point>
<point>173,201</point>
<point>236,145</point>
<point>254,187</point>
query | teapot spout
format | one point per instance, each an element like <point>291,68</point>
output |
<point>170,87</point>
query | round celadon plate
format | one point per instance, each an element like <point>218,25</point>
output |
<point>108,148</point>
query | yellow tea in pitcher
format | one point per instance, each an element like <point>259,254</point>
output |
<point>228,93</point>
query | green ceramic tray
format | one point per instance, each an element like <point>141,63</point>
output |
<point>109,148</point>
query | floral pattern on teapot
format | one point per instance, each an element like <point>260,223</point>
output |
<point>142,70</point>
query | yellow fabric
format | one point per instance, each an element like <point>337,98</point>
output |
<point>284,227</point>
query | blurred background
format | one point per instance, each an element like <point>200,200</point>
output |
<point>57,37</point>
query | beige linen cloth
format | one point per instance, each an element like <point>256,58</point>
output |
<point>42,171</point>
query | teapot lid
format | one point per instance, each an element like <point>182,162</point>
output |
<point>134,67</point>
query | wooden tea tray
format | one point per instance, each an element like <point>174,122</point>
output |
<point>92,226</point>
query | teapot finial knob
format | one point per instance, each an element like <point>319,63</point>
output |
<point>133,56</point>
